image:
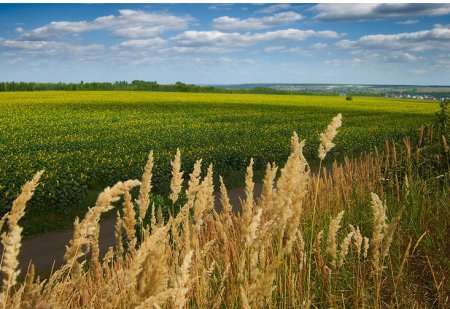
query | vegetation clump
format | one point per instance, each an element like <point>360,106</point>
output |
<point>381,215</point>
<point>88,140</point>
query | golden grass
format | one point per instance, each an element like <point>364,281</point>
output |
<point>201,258</point>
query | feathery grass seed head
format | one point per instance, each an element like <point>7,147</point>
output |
<point>177,177</point>
<point>326,138</point>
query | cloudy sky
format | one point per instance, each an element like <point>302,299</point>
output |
<point>226,44</point>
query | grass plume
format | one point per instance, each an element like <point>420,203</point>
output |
<point>199,258</point>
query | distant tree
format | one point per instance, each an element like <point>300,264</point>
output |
<point>348,97</point>
<point>442,118</point>
<point>135,85</point>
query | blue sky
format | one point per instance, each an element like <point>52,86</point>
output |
<point>226,44</point>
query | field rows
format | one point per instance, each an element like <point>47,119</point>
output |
<point>87,138</point>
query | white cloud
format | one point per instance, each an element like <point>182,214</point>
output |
<point>272,49</point>
<point>391,56</point>
<point>227,59</point>
<point>436,38</point>
<point>320,45</point>
<point>143,43</point>
<point>408,22</point>
<point>345,44</point>
<point>279,19</point>
<point>28,45</point>
<point>129,23</point>
<point>198,50</point>
<point>235,39</point>
<point>232,60</point>
<point>354,62</point>
<point>137,32</point>
<point>50,49</point>
<point>368,11</point>
<point>401,57</point>
<point>298,51</point>
<point>146,60</point>
<point>275,8</point>
<point>55,30</point>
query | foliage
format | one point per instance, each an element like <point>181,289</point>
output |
<point>136,85</point>
<point>442,118</point>
<point>87,140</point>
<point>379,241</point>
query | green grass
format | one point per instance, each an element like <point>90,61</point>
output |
<point>86,140</point>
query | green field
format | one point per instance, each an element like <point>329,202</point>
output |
<point>86,140</point>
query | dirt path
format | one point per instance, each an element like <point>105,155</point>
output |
<point>49,248</point>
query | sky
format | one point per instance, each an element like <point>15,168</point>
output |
<point>226,43</point>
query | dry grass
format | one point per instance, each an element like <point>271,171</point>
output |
<point>259,258</point>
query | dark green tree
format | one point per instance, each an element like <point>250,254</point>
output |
<point>441,117</point>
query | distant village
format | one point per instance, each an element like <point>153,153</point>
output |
<point>436,93</point>
<point>417,97</point>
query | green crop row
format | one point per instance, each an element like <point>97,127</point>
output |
<point>87,138</point>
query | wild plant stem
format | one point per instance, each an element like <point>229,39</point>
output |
<point>313,223</point>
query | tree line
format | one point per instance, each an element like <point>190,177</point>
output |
<point>136,85</point>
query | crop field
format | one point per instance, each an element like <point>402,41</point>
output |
<point>371,231</point>
<point>83,139</point>
<point>369,234</point>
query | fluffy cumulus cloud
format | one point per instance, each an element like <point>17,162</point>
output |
<point>228,60</point>
<point>48,48</point>
<point>320,45</point>
<point>298,51</point>
<point>400,57</point>
<point>144,43</point>
<point>129,23</point>
<point>419,41</point>
<point>279,19</point>
<point>236,39</point>
<point>249,38</point>
<point>39,52</point>
<point>368,11</point>
<point>196,50</point>
<point>139,30</point>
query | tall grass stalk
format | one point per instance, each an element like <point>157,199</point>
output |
<point>293,247</point>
